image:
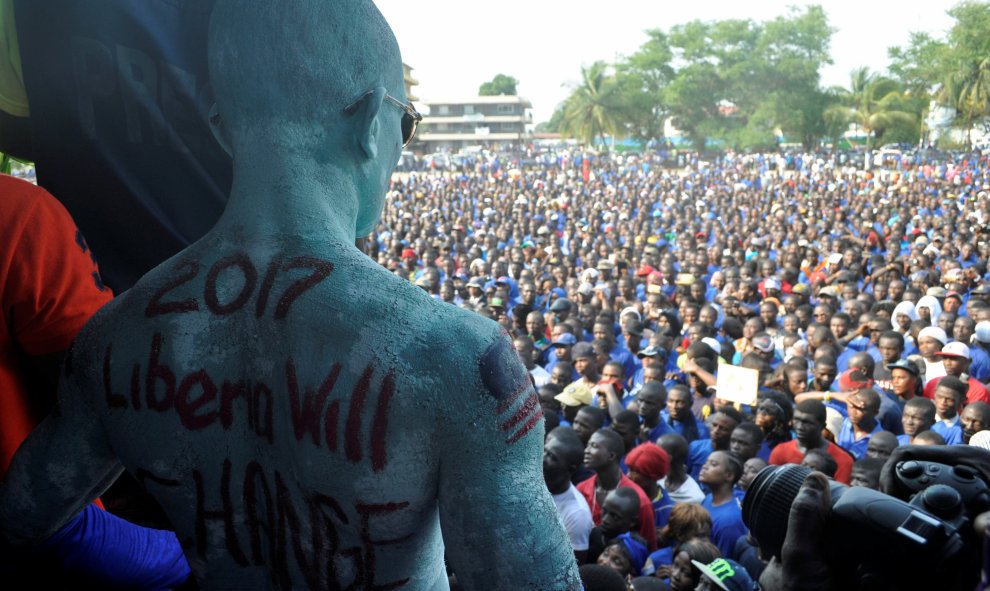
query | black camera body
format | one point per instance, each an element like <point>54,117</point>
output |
<point>906,545</point>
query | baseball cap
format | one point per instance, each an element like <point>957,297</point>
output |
<point>934,332</point>
<point>982,333</point>
<point>650,351</point>
<point>936,292</point>
<point>604,265</point>
<point>800,289</point>
<point>582,349</point>
<point>560,305</point>
<point>644,271</point>
<point>763,343</point>
<point>684,279</point>
<point>853,379</point>
<point>408,253</point>
<point>727,574</point>
<point>575,395</point>
<point>828,291</point>
<point>565,340</point>
<point>771,283</point>
<point>715,345</point>
<point>955,349</point>
<point>905,364</point>
<point>953,294</point>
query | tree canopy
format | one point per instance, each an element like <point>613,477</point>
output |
<point>499,85</point>
<point>745,84</point>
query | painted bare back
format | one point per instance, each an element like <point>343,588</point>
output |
<point>304,417</point>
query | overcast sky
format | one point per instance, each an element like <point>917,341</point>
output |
<point>454,46</point>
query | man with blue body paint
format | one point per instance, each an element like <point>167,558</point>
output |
<point>257,384</point>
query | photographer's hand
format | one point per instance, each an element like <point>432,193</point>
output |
<point>952,455</point>
<point>802,566</point>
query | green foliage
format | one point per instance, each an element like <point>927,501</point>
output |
<point>874,104</point>
<point>499,85</point>
<point>594,108</point>
<point>954,71</point>
<point>742,84</point>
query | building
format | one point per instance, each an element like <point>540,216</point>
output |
<point>476,121</point>
<point>409,81</point>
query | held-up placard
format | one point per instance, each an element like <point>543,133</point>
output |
<point>737,384</point>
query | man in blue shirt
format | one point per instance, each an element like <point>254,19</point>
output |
<point>863,407</point>
<point>721,424</point>
<point>949,394</point>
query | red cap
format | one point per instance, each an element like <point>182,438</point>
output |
<point>644,271</point>
<point>854,379</point>
<point>408,253</point>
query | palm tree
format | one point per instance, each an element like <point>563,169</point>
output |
<point>593,109</point>
<point>872,103</point>
<point>967,90</point>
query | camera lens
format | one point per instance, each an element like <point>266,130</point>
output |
<point>767,504</point>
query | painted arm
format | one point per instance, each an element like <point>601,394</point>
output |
<point>63,465</point>
<point>500,526</point>
<point>46,505</point>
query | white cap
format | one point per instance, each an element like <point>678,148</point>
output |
<point>955,349</point>
<point>630,310</point>
<point>715,345</point>
<point>771,283</point>
<point>934,332</point>
<point>982,333</point>
<point>980,439</point>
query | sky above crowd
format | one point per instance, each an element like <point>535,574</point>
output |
<point>455,46</point>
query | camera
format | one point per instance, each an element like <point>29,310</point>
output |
<point>900,544</point>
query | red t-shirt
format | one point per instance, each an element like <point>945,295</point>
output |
<point>788,453</point>
<point>49,288</point>
<point>647,521</point>
<point>977,391</point>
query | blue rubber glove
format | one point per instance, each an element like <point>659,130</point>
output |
<point>115,553</point>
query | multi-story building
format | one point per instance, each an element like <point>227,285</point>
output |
<point>409,81</point>
<point>476,121</point>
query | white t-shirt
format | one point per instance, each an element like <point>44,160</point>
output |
<point>688,492</point>
<point>575,515</point>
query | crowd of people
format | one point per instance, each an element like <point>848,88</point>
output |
<point>857,288</point>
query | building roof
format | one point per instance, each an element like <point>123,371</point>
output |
<point>483,100</point>
<point>483,137</point>
<point>475,118</point>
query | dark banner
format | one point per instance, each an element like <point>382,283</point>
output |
<point>119,96</point>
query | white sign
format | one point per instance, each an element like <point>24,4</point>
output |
<point>737,384</point>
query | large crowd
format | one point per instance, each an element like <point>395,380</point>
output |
<point>856,287</point>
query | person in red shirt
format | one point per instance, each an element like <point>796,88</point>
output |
<point>50,286</point>
<point>956,359</point>
<point>603,454</point>
<point>808,422</point>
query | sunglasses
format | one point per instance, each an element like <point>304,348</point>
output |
<point>410,117</point>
